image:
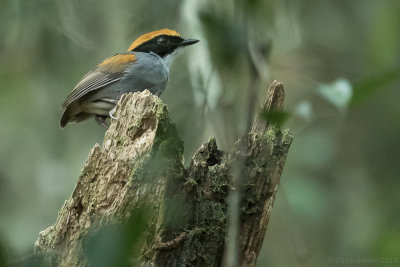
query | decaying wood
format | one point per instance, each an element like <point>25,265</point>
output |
<point>139,167</point>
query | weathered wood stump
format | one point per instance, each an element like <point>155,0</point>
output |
<point>138,173</point>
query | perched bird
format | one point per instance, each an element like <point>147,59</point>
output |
<point>144,66</point>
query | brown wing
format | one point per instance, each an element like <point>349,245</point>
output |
<point>109,71</point>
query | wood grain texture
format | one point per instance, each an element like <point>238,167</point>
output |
<point>140,165</point>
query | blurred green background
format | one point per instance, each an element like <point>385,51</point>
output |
<point>339,62</point>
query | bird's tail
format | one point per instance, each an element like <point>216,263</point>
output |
<point>66,117</point>
<point>69,115</point>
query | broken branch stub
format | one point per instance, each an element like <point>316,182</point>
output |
<point>140,167</point>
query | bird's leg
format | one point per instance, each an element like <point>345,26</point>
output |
<point>102,121</point>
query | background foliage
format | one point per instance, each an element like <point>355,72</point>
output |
<point>340,64</point>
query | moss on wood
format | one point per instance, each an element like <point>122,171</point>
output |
<point>138,171</point>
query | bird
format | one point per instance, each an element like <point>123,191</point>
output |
<point>145,65</point>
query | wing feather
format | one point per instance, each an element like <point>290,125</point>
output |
<point>109,71</point>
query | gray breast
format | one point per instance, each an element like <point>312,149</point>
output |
<point>148,72</point>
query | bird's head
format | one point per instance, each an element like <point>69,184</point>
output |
<point>163,42</point>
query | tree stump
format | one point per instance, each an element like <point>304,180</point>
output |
<point>170,215</point>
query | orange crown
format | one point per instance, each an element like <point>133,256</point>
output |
<point>148,36</point>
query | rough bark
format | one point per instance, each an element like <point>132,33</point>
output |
<point>140,167</point>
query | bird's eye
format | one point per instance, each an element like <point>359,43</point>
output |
<point>162,41</point>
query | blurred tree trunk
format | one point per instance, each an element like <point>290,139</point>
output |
<point>138,172</point>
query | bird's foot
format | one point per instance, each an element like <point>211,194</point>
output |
<point>111,113</point>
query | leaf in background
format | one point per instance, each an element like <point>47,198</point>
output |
<point>304,110</point>
<point>338,93</point>
<point>275,117</point>
<point>32,259</point>
<point>370,85</point>
<point>3,256</point>
<point>225,38</point>
<point>114,245</point>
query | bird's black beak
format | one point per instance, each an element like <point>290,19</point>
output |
<point>187,42</point>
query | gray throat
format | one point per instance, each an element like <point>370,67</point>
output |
<point>170,58</point>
